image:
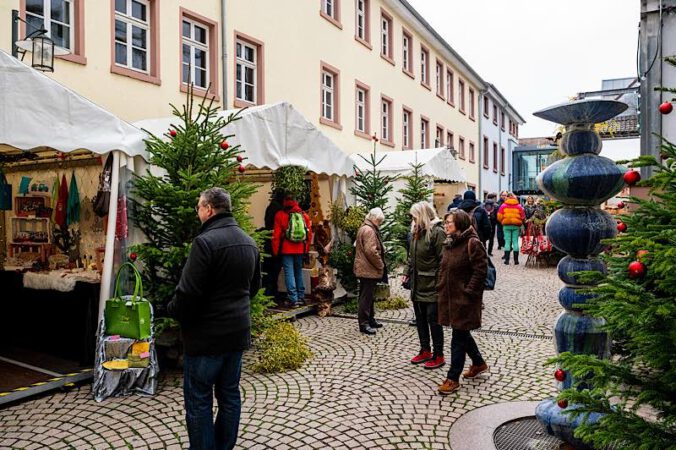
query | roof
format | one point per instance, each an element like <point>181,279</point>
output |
<point>38,112</point>
<point>438,163</point>
<point>272,136</point>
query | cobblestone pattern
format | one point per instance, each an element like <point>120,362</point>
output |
<point>357,392</point>
<point>524,300</point>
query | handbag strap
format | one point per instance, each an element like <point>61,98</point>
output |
<point>138,283</point>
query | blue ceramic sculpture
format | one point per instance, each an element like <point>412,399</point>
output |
<point>581,181</point>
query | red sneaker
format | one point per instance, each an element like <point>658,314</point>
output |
<point>435,363</point>
<point>424,355</point>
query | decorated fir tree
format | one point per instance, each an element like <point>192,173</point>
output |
<point>416,190</point>
<point>193,155</point>
<point>635,390</point>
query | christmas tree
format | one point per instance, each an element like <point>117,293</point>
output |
<point>635,390</point>
<point>193,155</point>
<point>416,190</point>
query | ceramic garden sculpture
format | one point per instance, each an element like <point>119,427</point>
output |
<point>581,181</point>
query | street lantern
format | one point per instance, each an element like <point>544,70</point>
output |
<point>43,53</point>
<point>453,151</point>
<point>37,42</point>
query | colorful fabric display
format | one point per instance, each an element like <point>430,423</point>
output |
<point>140,347</point>
<point>60,216</point>
<point>121,227</point>
<point>73,204</point>
<point>137,361</point>
<point>55,197</point>
<point>24,186</point>
<point>116,364</point>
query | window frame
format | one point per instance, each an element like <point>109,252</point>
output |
<point>472,152</point>
<point>386,121</point>
<point>487,105</point>
<point>485,153</point>
<point>461,148</point>
<point>407,63</point>
<point>366,133</point>
<point>461,93</point>
<point>495,114</point>
<point>425,67</point>
<point>502,160</point>
<point>366,39</point>
<point>407,141</point>
<point>387,40</point>
<point>450,88</point>
<point>440,131</point>
<point>259,88</point>
<point>334,16</point>
<point>502,120</point>
<point>152,75</point>
<point>76,25</point>
<point>495,157</point>
<point>472,105</point>
<point>439,69</point>
<point>450,137</point>
<point>333,122</point>
<point>424,131</point>
<point>212,54</point>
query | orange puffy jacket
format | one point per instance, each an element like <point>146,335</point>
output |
<point>511,213</point>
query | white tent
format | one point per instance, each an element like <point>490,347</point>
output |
<point>438,163</point>
<point>272,136</point>
<point>37,112</point>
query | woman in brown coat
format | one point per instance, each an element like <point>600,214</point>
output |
<point>369,267</point>
<point>462,277</point>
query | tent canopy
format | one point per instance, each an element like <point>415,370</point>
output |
<point>38,112</point>
<point>438,163</point>
<point>272,136</point>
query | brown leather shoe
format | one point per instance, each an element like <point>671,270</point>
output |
<point>448,387</point>
<point>473,370</point>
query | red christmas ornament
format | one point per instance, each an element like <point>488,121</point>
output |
<point>620,205</point>
<point>563,404</point>
<point>621,227</point>
<point>240,158</point>
<point>560,375</point>
<point>636,269</point>
<point>666,107</point>
<point>241,168</point>
<point>641,253</point>
<point>225,145</point>
<point>133,256</point>
<point>631,177</point>
<point>172,133</point>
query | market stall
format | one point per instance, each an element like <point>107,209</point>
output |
<point>66,165</point>
<point>438,165</point>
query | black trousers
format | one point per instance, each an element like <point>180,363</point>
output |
<point>367,292</point>
<point>272,265</point>
<point>462,343</point>
<point>426,322</point>
<point>501,236</point>
<point>491,240</point>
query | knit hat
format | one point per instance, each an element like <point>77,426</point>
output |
<point>469,195</point>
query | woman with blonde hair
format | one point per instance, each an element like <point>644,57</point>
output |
<point>427,243</point>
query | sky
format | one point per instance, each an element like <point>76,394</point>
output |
<point>539,53</point>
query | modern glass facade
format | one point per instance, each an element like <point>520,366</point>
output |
<point>527,163</point>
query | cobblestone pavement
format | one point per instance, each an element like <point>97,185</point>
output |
<point>356,392</point>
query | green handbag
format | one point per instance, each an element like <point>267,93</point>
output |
<point>128,316</point>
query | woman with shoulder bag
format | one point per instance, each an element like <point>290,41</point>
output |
<point>423,268</point>
<point>462,278</point>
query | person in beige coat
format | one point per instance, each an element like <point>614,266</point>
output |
<point>369,267</point>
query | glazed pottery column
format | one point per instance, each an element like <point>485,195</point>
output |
<point>581,181</point>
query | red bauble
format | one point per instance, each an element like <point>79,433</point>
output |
<point>631,177</point>
<point>620,205</point>
<point>225,145</point>
<point>563,404</point>
<point>241,168</point>
<point>636,269</point>
<point>240,158</point>
<point>560,375</point>
<point>666,107</point>
<point>621,226</point>
<point>172,133</point>
<point>133,256</point>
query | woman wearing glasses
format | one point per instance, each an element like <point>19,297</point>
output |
<point>462,277</point>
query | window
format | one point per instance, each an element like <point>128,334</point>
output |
<point>386,120</point>
<point>471,152</point>
<point>486,105</point>
<point>516,130</point>
<point>424,132</point>
<point>449,139</point>
<point>461,147</point>
<point>449,88</point>
<point>472,109</point>
<point>485,153</point>
<point>440,79</point>
<point>439,137</point>
<point>248,71</point>
<point>330,10</point>
<point>330,84</point>
<point>386,36</point>
<point>424,67</point>
<point>406,124</point>
<point>502,120</point>
<point>63,20</point>
<point>132,39</point>
<point>196,58</point>
<point>502,160</point>
<point>495,114</point>
<point>407,53</point>
<point>461,91</point>
<point>495,157</point>
<point>362,31</point>
<point>362,110</point>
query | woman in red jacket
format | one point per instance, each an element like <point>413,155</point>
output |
<point>291,241</point>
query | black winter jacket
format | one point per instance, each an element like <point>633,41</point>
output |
<point>480,216</point>
<point>212,299</point>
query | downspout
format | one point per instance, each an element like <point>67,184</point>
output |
<point>224,56</point>
<point>480,140</point>
<point>497,163</point>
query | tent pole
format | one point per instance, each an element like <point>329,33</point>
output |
<point>108,258</point>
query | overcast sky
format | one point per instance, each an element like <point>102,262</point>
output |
<point>540,52</point>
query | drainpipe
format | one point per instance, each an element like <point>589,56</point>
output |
<point>480,140</point>
<point>224,55</point>
<point>500,152</point>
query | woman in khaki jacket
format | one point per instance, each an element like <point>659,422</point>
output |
<point>462,277</point>
<point>369,267</point>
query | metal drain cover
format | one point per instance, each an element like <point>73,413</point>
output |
<point>524,434</point>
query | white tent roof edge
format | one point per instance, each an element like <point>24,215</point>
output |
<point>438,163</point>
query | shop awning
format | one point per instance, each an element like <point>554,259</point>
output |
<point>37,112</point>
<point>438,163</point>
<point>275,135</point>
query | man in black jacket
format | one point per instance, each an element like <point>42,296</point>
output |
<point>212,302</point>
<point>478,215</point>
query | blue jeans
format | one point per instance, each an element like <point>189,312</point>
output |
<point>293,277</point>
<point>200,375</point>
